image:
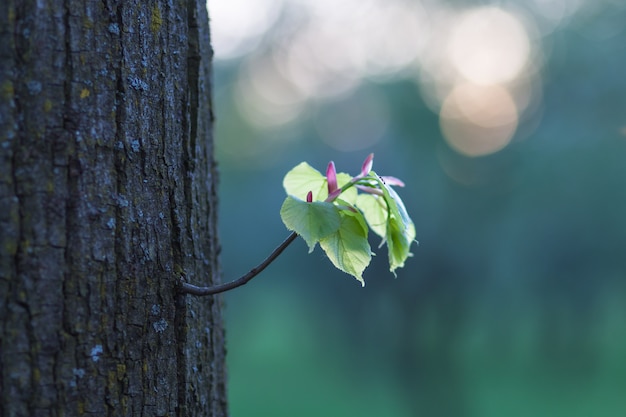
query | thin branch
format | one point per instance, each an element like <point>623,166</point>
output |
<point>187,288</point>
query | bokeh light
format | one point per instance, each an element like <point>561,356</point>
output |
<point>323,53</point>
<point>472,81</point>
<point>237,26</point>
<point>478,120</point>
<point>488,46</point>
<point>265,98</point>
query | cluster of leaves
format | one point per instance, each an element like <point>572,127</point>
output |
<point>331,211</point>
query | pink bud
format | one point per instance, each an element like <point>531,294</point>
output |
<point>392,181</point>
<point>367,165</point>
<point>331,177</point>
<point>309,197</point>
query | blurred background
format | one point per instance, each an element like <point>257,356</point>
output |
<point>507,121</point>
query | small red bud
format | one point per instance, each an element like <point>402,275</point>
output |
<point>309,197</point>
<point>367,165</point>
<point>392,181</point>
<point>331,177</point>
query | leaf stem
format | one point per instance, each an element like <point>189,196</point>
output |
<point>191,289</point>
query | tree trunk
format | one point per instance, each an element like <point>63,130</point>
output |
<point>107,196</point>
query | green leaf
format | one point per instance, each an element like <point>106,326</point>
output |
<point>313,221</point>
<point>400,229</point>
<point>374,209</point>
<point>397,209</point>
<point>348,248</point>
<point>388,217</point>
<point>338,228</point>
<point>304,178</point>
<point>399,239</point>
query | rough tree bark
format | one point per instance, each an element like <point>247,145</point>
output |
<point>107,195</point>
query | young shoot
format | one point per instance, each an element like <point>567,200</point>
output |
<point>336,211</point>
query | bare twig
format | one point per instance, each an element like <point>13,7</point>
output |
<point>187,288</point>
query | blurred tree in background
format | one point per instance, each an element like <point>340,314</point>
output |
<point>506,120</point>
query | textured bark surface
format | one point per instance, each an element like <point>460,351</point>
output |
<point>107,195</point>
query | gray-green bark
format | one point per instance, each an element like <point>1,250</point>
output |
<point>107,194</point>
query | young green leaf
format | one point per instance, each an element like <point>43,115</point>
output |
<point>374,209</point>
<point>398,207</point>
<point>339,221</point>
<point>399,239</point>
<point>313,221</point>
<point>348,248</point>
<point>400,229</point>
<point>388,210</point>
<point>304,178</point>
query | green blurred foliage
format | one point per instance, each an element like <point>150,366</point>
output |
<point>515,301</point>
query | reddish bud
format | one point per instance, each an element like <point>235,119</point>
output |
<point>392,181</point>
<point>309,197</point>
<point>367,165</point>
<point>331,177</point>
